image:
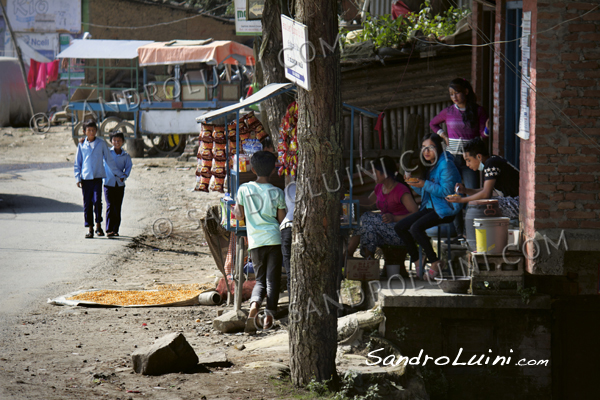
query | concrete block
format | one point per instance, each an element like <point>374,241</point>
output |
<point>171,353</point>
<point>497,265</point>
<point>231,321</point>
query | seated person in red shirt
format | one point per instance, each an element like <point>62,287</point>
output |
<point>500,179</point>
<point>395,201</point>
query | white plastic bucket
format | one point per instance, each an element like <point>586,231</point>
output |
<point>491,234</point>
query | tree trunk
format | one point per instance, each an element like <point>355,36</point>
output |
<point>316,241</point>
<point>272,71</point>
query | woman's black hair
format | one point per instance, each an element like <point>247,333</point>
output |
<point>476,146</point>
<point>387,166</point>
<point>438,143</point>
<point>470,116</point>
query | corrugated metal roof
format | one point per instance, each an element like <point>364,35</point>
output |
<point>269,90</point>
<point>103,49</point>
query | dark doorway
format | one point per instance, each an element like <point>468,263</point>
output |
<point>512,68</point>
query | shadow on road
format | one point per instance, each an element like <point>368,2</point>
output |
<point>21,204</point>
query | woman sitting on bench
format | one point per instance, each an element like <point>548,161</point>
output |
<point>441,177</point>
<point>395,201</point>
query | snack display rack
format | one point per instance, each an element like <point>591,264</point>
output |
<point>269,91</point>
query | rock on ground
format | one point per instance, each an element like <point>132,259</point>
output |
<point>171,353</point>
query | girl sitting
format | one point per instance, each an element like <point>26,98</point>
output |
<point>394,199</point>
<point>441,177</point>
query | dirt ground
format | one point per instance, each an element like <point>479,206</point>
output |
<point>56,352</point>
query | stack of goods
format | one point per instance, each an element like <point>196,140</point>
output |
<point>212,150</point>
<point>287,146</point>
<point>212,157</point>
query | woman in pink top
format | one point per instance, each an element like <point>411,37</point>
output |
<point>465,120</point>
<point>394,199</point>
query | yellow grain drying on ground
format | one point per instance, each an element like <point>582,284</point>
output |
<point>135,297</point>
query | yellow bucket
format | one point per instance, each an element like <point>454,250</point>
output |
<point>491,234</point>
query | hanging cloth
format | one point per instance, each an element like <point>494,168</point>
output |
<point>52,70</point>
<point>32,74</point>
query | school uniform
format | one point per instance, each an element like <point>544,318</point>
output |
<point>114,189</point>
<point>89,170</point>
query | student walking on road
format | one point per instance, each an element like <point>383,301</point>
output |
<point>114,186</point>
<point>89,171</point>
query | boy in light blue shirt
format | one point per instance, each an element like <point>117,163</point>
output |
<point>263,207</point>
<point>89,171</point>
<point>114,186</point>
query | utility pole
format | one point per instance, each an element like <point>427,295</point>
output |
<point>18,50</point>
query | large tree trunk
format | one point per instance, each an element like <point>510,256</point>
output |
<point>316,240</point>
<point>272,71</point>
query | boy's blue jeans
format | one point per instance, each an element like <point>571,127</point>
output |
<point>266,261</point>
<point>92,201</point>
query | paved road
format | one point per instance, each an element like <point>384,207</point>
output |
<point>42,244</point>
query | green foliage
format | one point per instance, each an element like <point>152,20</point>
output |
<point>526,293</point>
<point>383,31</point>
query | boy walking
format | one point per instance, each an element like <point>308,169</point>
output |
<point>263,207</point>
<point>114,187</point>
<point>89,171</point>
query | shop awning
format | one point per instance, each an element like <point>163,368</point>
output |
<point>271,90</point>
<point>194,51</point>
<point>103,49</point>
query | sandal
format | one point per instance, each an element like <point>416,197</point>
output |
<point>110,234</point>
<point>99,232</point>
<point>89,235</point>
<point>268,322</point>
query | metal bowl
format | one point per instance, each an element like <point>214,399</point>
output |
<point>458,284</point>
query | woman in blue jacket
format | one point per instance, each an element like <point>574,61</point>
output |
<point>441,177</point>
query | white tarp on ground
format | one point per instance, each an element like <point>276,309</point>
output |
<point>14,106</point>
<point>64,301</point>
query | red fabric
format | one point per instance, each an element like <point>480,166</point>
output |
<point>42,77</point>
<point>399,8</point>
<point>379,127</point>
<point>52,69</point>
<point>246,289</point>
<point>391,203</point>
<point>250,91</point>
<point>32,74</point>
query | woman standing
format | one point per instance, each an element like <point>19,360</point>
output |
<point>465,120</point>
<point>393,198</point>
<point>441,177</point>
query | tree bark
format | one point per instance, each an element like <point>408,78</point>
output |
<point>316,232</point>
<point>272,71</point>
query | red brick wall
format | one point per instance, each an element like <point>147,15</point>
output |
<point>565,177</point>
<point>124,13</point>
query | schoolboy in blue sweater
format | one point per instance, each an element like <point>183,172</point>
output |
<point>114,187</point>
<point>89,171</point>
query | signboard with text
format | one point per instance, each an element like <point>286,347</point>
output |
<point>44,15</point>
<point>524,116</point>
<point>296,49</point>
<point>243,27</point>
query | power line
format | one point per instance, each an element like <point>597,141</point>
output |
<point>200,14</point>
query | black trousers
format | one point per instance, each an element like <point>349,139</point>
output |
<point>286,251</point>
<point>266,261</point>
<point>92,200</point>
<point>412,231</point>
<point>114,201</point>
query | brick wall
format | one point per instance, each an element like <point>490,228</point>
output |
<point>125,13</point>
<point>560,168</point>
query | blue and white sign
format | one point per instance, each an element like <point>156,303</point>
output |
<point>297,52</point>
<point>44,15</point>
